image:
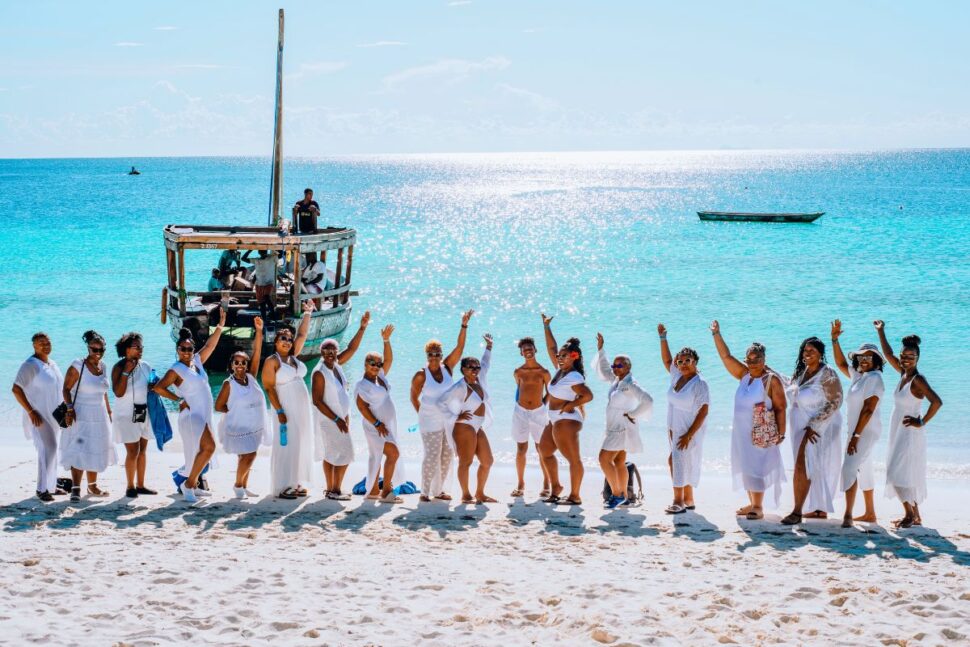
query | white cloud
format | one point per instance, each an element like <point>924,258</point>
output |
<point>534,99</point>
<point>128,43</point>
<point>453,69</point>
<point>166,28</point>
<point>316,69</point>
<point>384,43</point>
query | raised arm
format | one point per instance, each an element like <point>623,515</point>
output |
<point>731,363</point>
<point>388,353</point>
<point>213,340</point>
<point>887,350</point>
<point>837,353</point>
<point>455,355</point>
<point>417,385</point>
<point>304,330</point>
<point>486,360</point>
<point>665,355</point>
<point>257,346</point>
<point>551,347</point>
<point>601,364</point>
<point>344,356</point>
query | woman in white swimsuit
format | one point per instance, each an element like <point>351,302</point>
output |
<point>468,412</point>
<point>567,395</point>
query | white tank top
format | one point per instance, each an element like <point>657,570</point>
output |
<point>246,405</point>
<point>335,393</point>
<point>430,417</point>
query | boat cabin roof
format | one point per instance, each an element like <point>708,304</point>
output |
<point>269,238</point>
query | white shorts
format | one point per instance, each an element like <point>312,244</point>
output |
<point>529,422</point>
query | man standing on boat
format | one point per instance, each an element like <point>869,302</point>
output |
<point>264,278</point>
<point>305,213</point>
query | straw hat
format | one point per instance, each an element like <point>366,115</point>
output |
<point>866,348</point>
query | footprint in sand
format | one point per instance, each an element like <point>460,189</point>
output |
<point>602,636</point>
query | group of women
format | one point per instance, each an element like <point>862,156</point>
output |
<point>455,415</point>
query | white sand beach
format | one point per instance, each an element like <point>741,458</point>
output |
<point>155,571</point>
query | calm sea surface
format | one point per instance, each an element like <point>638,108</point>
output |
<point>606,242</point>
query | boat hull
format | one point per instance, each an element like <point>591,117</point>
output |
<point>325,324</point>
<point>727,216</point>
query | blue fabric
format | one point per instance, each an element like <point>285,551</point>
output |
<point>159,417</point>
<point>405,488</point>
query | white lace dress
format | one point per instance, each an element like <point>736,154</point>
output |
<point>815,403</point>
<point>87,444</point>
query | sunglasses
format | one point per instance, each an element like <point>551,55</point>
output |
<point>434,354</point>
<point>474,368</point>
<point>371,362</point>
<point>754,360</point>
<point>96,350</point>
<point>186,349</point>
<point>615,366</point>
<point>240,362</point>
<point>865,358</point>
<point>284,338</point>
<point>684,361</point>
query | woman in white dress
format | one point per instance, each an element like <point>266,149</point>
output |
<point>906,463</point>
<point>755,469</point>
<point>688,401</point>
<point>244,425</point>
<point>427,387</point>
<point>568,393</point>
<point>372,395</point>
<point>864,368</point>
<point>815,393</point>
<point>291,465</point>
<point>331,411</point>
<point>38,389</point>
<point>194,396</point>
<point>130,421</point>
<point>467,410</point>
<point>86,444</point>
<point>627,405</point>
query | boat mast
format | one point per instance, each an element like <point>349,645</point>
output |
<point>276,190</point>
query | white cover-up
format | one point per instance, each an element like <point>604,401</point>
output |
<point>292,465</point>
<point>193,420</point>
<point>245,426</point>
<point>858,466</point>
<point>136,392</point>
<point>906,462</point>
<point>816,404</point>
<point>625,398</point>
<point>754,469</point>
<point>682,409</point>
<point>42,384</point>
<point>333,445</point>
<point>87,444</point>
<point>377,395</point>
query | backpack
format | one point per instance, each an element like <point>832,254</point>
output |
<point>633,496</point>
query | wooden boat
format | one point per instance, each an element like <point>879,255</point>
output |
<point>731,216</point>
<point>199,310</point>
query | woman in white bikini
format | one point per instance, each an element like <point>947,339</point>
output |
<point>567,395</point>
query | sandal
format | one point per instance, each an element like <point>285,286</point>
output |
<point>390,497</point>
<point>570,501</point>
<point>847,521</point>
<point>545,493</point>
<point>552,498</point>
<point>141,489</point>
<point>675,508</point>
<point>516,493</point>
<point>45,496</point>
<point>76,493</point>
<point>301,491</point>
<point>444,496</point>
<point>792,519</point>
<point>467,501</point>
<point>424,498</point>
<point>94,490</point>
<point>690,507</point>
<point>755,515</point>
<point>59,492</point>
<point>485,499</point>
<point>288,493</point>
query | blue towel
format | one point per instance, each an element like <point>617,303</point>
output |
<point>404,488</point>
<point>159,417</point>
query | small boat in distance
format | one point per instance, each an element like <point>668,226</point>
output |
<point>134,171</point>
<point>732,216</point>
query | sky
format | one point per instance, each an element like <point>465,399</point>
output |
<point>179,78</point>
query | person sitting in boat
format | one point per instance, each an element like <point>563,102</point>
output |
<point>306,212</point>
<point>231,271</point>
<point>264,279</point>
<point>315,276</point>
<point>215,283</point>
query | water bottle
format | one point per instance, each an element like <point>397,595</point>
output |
<point>283,434</point>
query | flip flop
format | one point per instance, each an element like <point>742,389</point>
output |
<point>568,501</point>
<point>391,498</point>
<point>792,519</point>
<point>486,499</point>
<point>517,493</point>
<point>444,496</point>
<point>288,493</point>
<point>675,508</point>
<point>690,507</point>
<point>552,498</point>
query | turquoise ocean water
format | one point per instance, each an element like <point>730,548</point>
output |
<point>604,241</point>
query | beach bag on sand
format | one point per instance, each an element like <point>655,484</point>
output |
<point>404,488</point>
<point>764,427</point>
<point>633,496</point>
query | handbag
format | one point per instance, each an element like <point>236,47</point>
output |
<point>764,426</point>
<point>60,413</point>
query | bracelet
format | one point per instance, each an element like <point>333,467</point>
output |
<point>663,336</point>
<point>856,435</point>
<point>465,326</point>
<point>715,333</point>
<point>377,423</point>
<point>126,374</point>
<point>280,412</point>
<point>336,418</point>
<point>70,407</point>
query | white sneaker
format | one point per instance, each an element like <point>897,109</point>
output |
<point>240,492</point>
<point>188,494</point>
<point>201,492</point>
<point>251,494</point>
